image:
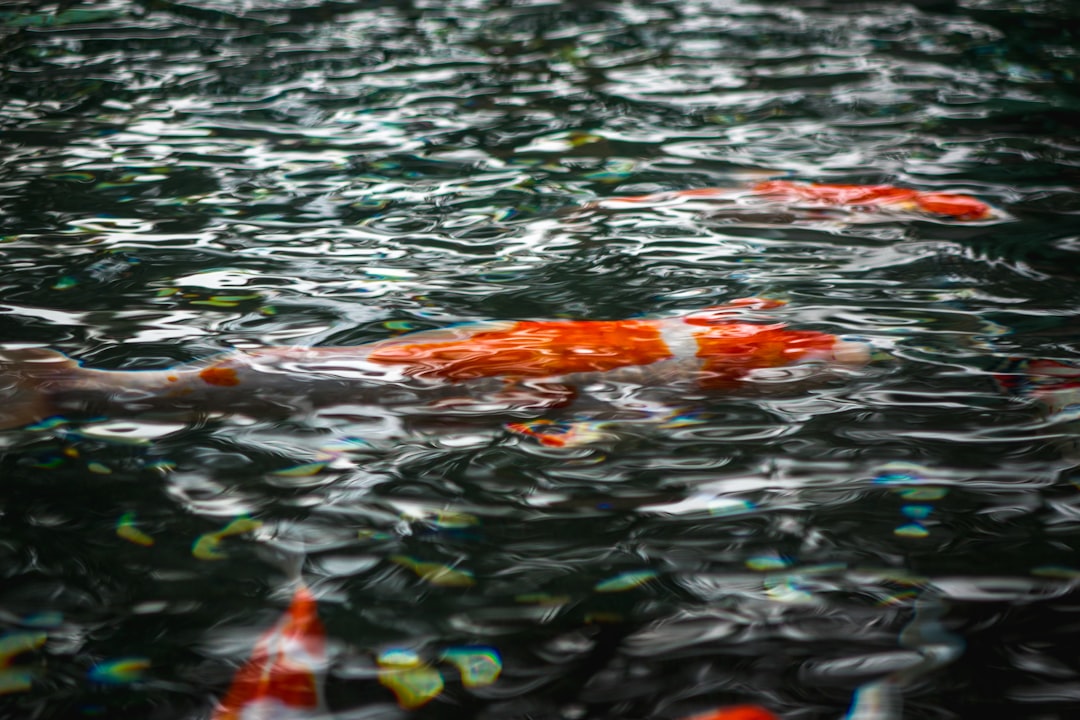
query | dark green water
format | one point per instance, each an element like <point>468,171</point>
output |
<point>181,178</point>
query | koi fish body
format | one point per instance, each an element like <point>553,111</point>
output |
<point>951,206</point>
<point>282,679</point>
<point>523,365</point>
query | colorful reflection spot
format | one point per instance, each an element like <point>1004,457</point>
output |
<point>208,546</point>
<point>15,679</point>
<point>768,562</point>
<point>413,683</point>
<point>120,672</point>
<point>917,512</point>
<point>305,470</point>
<point>126,530</point>
<point>923,493</point>
<point>479,666</point>
<point>436,573</point>
<point>625,581</point>
<point>729,506</point>
<point>912,530</point>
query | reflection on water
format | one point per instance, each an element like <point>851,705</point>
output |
<point>891,540</point>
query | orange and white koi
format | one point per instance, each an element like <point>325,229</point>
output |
<point>1055,385</point>
<point>522,365</point>
<point>953,206</point>
<point>283,678</point>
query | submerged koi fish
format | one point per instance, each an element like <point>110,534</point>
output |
<point>736,712</point>
<point>1055,385</point>
<point>283,678</point>
<point>509,365</point>
<point>948,205</point>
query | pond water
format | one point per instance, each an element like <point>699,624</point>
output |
<point>181,178</point>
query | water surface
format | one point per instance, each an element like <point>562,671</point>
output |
<point>182,178</point>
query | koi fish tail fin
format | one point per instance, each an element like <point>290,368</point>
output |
<point>284,676</point>
<point>25,374</point>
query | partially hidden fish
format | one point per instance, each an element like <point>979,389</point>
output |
<point>283,678</point>
<point>735,712</point>
<point>1054,384</point>
<point>953,206</point>
<point>521,365</point>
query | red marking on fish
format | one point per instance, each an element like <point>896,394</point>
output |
<point>736,712</point>
<point>283,677</point>
<point>217,375</point>
<point>952,205</point>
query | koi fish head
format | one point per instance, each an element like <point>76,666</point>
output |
<point>730,348</point>
<point>282,680</point>
<point>957,207</point>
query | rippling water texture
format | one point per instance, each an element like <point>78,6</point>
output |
<point>181,178</point>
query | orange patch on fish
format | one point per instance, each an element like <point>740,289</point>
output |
<point>172,378</point>
<point>736,712</point>
<point>533,349</point>
<point>960,207</point>
<point>216,375</point>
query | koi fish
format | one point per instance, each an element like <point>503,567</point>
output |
<point>522,365</point>
<point>1055,385</point>
<point>735,712</point>
<point>947,205</point>
<point>283,678</point>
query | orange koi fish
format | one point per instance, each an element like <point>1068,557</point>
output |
<point>283,678</point>
<point>952,206</point>
<point>535,364</point>
<point>735,712</point>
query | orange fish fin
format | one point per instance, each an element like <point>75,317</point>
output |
<point>285,669</point>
